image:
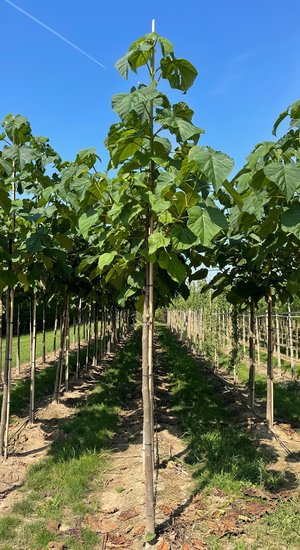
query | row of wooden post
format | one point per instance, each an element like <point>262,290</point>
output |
<point>98,328</point>
<point>208,332</point>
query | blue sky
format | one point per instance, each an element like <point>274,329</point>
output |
<point>246,54</point>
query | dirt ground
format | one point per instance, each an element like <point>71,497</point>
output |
<point>183,520</point>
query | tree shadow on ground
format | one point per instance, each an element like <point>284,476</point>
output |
<point>95,420</point>
<point>222,453</point>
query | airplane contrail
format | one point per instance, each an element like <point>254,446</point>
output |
<point>83,52</point>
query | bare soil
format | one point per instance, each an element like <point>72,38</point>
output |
<point>184,520</point>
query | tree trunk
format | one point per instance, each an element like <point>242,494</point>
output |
<point>95,356</point>
<point>60,358</point>
<point>44,334</point>
<point>291,344</point>
<point>278,343</point>
<point>251,384</point>
<point>67,343</point>
<point>147,414</point>
<point>33,362</point>
<point>55,332</point>
<point>270,376</point>
<point>257,340</point>
<point>18,342</point>
<point>78,341</point>
<point>1,344</point>
<point>88,338</point>
<point>7,375</point>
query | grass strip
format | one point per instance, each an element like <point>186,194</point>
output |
<point>56,487</point>
<point>221,455</point>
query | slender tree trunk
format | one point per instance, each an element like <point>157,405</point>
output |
<point>244,335</point>
<point>7,375</point>
<point>235,343</point>
<point>67,369</point>
<point>18,341</point>
<point>44,334</point>
<point>108,331</point>
<point>9,344</point>
<point>88,338</point>
<point>251,385</point>
<point>257,340</point>
<point>270,376</point>
<point>95,355</point>
<point>147,348</point>
<point>60,358</point>
<point>78,341</point>
<point>30,332</point>
<point>278,343</point>
<point>1,344</point>
<point>33,363</point>
<point>55,331</point>
<point>291,344</point>
<point>147,410</point>
<point>5,410</point>
<point>74,330</point>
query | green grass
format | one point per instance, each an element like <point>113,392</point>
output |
<point>44,384</point>
<point>221,453</point>
<point>25,346</point>
<point>286,393</point>
<point>276,531</point>
<point>56,487</point>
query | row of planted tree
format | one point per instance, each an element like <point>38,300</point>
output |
<point>168,212</point>
<point>95,331</point>
<point>216,329</point>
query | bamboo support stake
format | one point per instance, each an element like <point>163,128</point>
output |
<point>67,366</point>
<point>44,334</point>
<point>78,341</point>
<point>270,375</point>
<point>33,362</point>
<point>18,354</point>
<point>251,385</point>
<point>1,342</point>
<point>55,331</point>
<point>291,346</point>
<point>278,343</point>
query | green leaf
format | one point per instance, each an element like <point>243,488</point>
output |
<point>200,274</point>
<point>166,46</point>
<point>261,150</point>
<point>38,240</point>
<point>137,101</point>
<point>176,125</point>
<point>175,268</point>
<point>22,277</point>
<point>281,117</point>
<point>182,238</point>
<point>233,193</point>
<point>5,201</point>
<point>65,241</point>
<point>20,154</point>
<point>215,165</point>
<point>124,294</point>
<point>86,221</point>
<point>149,537</point>
<point>179,72</point>
<point>87,156</point>
<point>8,278</point>
<point>157,240</point>
<point>285,176</point>
<point>106,259</point>
<point>206,223</point>
<point>291,221</point>
<point>158,205</point>
<point>17,128</point>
